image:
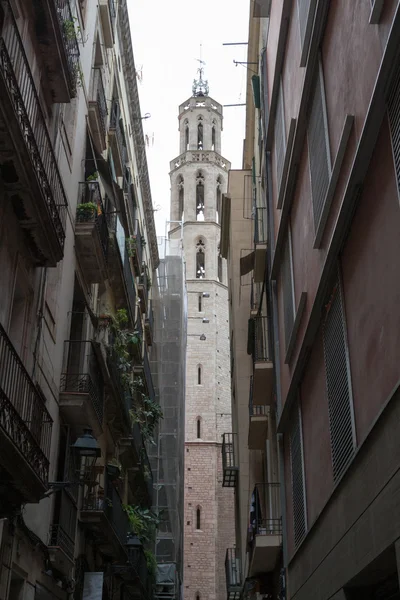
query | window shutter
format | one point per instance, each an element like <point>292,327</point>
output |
<point>306,10</point>
<point>394,120</point>
<point>298,483</point>
<point>318,149</point>
<point>288,291</point>
<point>255,82</point>
<point>341,421</point>
<point>280,137</point>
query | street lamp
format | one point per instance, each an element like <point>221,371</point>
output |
<point>85,451</point>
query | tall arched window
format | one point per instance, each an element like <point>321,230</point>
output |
<point>200,134</point>
<point>199,375</point>
<point>219,266</point>
<point>181,196</point>
<point>200,260</point>
<point>186,135</point>
<point>218,202</point>
<point>198,518</point>
<point>198,426</point>
<point>213,138</point>
<point>200,197</point>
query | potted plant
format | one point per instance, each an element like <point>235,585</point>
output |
<point>86,212</point>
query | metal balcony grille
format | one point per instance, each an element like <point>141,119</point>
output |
<point>288,290</point>
<point>318,147</point>
<point>89,192</point>
<point>338,383</point>
<point>280,137</point>
<point>116,125</point>
<point>265,510</point>
<point>233,574</point>
<point>394,121</point>
<point>17,76</point>
<point>298,484</point>
<point>23,414</point>
<point>255,410</point>
<point>82,374</point>
<point>260,225</point>
<point>67,27</point>
<point>98,95</point>
<point>258,342</point>
<point>60,539</point>
<point>230,461</point>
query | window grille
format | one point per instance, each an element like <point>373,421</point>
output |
<point>318,147</point>
<point>298,483</point>
<point>337,368</point>
<point>394,121</point>
<point>288,290</point>
<point>280,138</point>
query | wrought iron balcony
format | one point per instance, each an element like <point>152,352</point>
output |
<point>258,345</point>
<point>117,139</point>
<point>144,372</point>
<point>144,284</point>
<point>230,460</point>
<point>61,546</point>
<point>30,170</point>
<point>103,513</point>
<point>258,423</point>
<point>60,539</point>
<point>91,233</point>
<point>67,27</point>
<point>119,410</point>
<point>260,243</point>
<point>98,110</point>
<point>233,574</point>
<point>135,249</point>
<point>119,268</point>
<point>148,325</point>
<point>25,426</point>
<point>265,528</point>
<point>135,573</point>
<point>82,386</point>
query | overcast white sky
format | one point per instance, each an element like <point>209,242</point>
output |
<point>166,37</point>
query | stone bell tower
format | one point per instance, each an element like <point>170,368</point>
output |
<point>199,177</point>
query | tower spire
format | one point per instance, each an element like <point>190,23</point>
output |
<point>200,85</point>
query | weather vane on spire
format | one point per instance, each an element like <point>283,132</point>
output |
<point>200,85</point>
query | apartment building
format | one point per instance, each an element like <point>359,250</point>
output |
<point>332,97</point>
<point>77,255</point>
<point>250,451</point>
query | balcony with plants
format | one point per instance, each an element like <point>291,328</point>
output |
<point>82,388</point>
<point>144,286</point>
<point>264,538</point>
<point>149,325</point>
<point>57,33</point>
<point>31,172</point>
<point>230,460</point>
<point>25,432</point>
<point>120,269</point>
<point>91,232</point>
<point>98,110</point>
<point>259,347</point>
<point>258,423</point>
<point>135,244</point>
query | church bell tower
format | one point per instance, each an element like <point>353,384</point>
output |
<point>199,177</point>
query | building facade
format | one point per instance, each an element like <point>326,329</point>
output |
<point>251,451</point>
<point>332,97</point>
<point>198,180</point>
<point>77,252</point>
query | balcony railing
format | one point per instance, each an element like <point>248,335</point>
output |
<point>17,76</point>
<point>60,539</point>
<point>67,26</point>
<point>123,392</point>
<point>23,415</point>
<point>230,459</point>
<point>109,503</point>
<point>233,574</point>
<point>258,341</point>
<point>260,225</point>
<point>148,376</point>
<point>255,410</point>
<point>82,374</point>
<point>116,127</point>
<point>266,516</point>
<point>89,192</point>
<point>255,295</point>
<point>98,95</point>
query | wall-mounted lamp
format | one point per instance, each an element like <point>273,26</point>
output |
<point>146,116</point>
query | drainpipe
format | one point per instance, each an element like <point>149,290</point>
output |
<point>275,336</point>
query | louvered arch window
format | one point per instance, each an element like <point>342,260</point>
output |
<point>318,146</point>
<point>338,382</point>
<point>298,479</point>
